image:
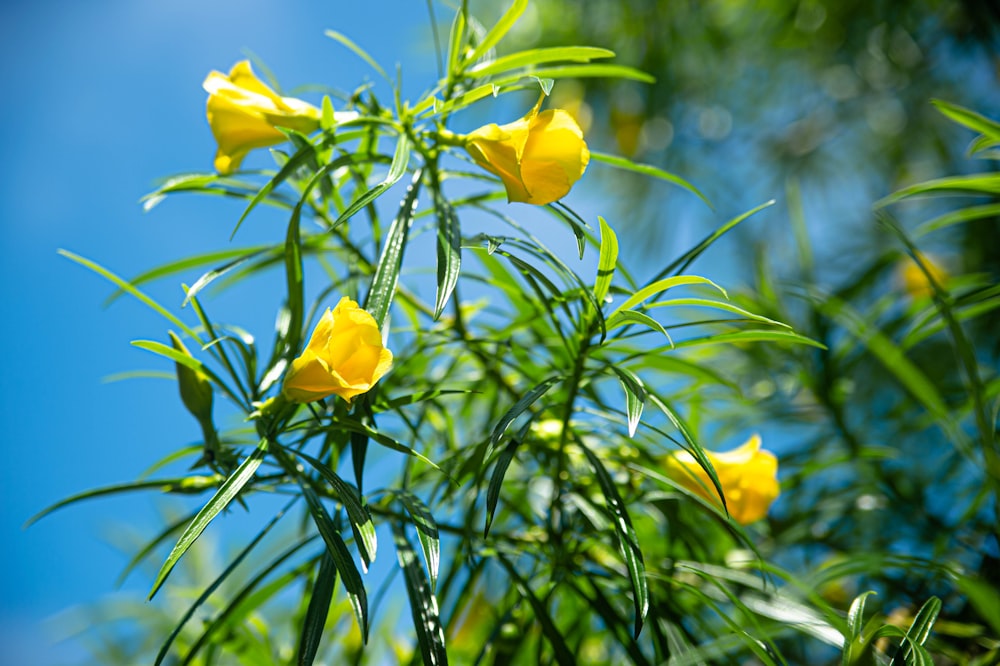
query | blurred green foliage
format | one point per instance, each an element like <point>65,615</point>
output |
<point>514,457</point>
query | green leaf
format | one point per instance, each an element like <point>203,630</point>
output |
<point>498,31</point>
<point>300,157</point>
<point>400,159</point>
<point>662,285</point>
<point>456,38</point>
<point>681,263</point>
<point>856,615</point>
<point>647,170</point>
<point>248,599</point>
<point>986,184</point>
<point>526,401</point>
<point>337,549</point>
<point>233,485</point>
<point>187,263</point>
<point>449,251</point>
<point>755,335</point>
<point>423,602</point>
<point>208,591</point>
<point>357,512</point>
<point>427,532</point>
<point>132,291</point>
<point>606,262</point>
<point>496,482</point>
<point>635,396</point>
<point>957,217</point>
<point>187,361</point>
<point>628,542</point>
<point>184,484</point>
<point>386,441</point>
<point>989,129</point>
<point>717,305</point>
<point>918,633</point>
<point>533,57</point>
<point>625,317</point>
<point>358,51</point>
<point>319,606</point>
<point>386,275</point>
<point>693,447</point>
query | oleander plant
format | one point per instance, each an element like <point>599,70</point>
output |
<point>476,436</point>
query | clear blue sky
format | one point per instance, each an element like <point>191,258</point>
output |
<point>100,99</point>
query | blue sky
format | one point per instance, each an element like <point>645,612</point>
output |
<point>101,99</point>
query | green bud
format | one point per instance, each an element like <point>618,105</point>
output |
<point>195,389</point>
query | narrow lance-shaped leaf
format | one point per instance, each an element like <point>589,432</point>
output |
<point>628,542</point>
<point>918,633</point>
<point>341,558</point>
<point>533,57</point>
<point>990,129</point>
<point>187,361</point>
<point>319,607</point>
<point>647,170</point>
<point>208,591</point>
<point>499,30</point>
<point>606,262</point>
<point>449,251</point>
<point>427,532</point>
<point>625,317</point>
<point>233,485</point>
<point>526,401</point>
<point>251,597</point>
<point>693,447</point>
<point>358,51</point>
<point>659,286</point>
<point>680,264</point>
<point>387,272</point>
<point>396,171</point>
<point>423,602</point>
<point>496,482</point>
<point>635,397</point>
<point>717,305</point>
<point>977,183</point>
<point>185,484</point>
<point>357,513</point>
<point>300,157</point>
<point>132,291</point>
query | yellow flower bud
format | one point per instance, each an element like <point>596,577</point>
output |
<point>748,476</point>
<point>538,157</point>
<point>913,279</point>
<point>195,389</point>
<point>243,113</point>
<point>344,357</point>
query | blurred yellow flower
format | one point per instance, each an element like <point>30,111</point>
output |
<point>914,281</point>
<point>748,476</point>
<point>344,357</point>
<point>538,157</point>
<point>243,113</point>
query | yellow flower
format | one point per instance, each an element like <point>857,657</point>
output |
<point>243,113</point>
<point>914,281</point>
<point>538,157</point>
<point>344,357</point>
<point>748,477</point>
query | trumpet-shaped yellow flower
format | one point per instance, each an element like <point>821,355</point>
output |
<point>748,476</point>
<point>344,357</point>
<point>243,113</point>
<point>538,157</point>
